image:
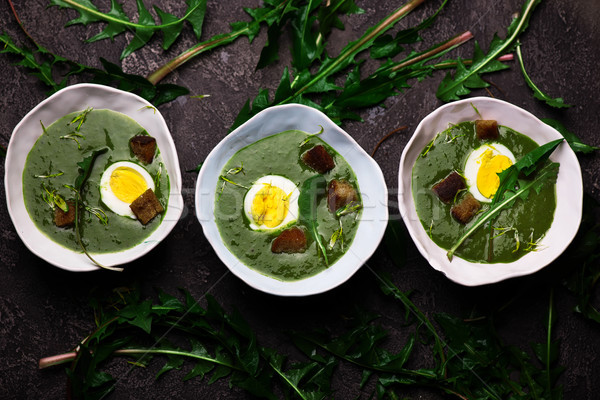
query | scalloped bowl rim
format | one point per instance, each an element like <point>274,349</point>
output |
<point>74,98</point>
<point>569,191</point>
<point>371,182</point>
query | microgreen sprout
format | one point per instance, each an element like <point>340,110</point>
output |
<point>80,118</point>
<point>49,175</point>
<point>338,234</point>
<point>309,137</point>
<point>74,136</point>
<point>99,213</point>
<point>348,208</point>
<point>148,107</point>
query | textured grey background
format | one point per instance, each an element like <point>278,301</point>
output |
<point>44,310</point>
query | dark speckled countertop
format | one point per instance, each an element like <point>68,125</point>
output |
<point>44,310</point>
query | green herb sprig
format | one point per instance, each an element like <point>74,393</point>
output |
<point>50,69</point>
<point>85,167</point>
<point>464,79</point>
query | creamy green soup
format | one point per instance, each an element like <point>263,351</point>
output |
<point>280,154</point>
<point>52,167</point>
<point>514,233</point>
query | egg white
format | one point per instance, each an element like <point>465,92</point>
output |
<point>109,199</point>
<point>282,183</point>
<point>474,162</point>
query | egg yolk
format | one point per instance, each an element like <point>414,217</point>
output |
<point>270,206</point>
<point>127,184</point>
<point>487,176</point>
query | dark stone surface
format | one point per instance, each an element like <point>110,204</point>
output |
<point>44,310</point>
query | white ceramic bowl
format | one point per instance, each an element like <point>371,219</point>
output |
<point>24,136</point>
<point>569,190</point>
<point>372,185</point>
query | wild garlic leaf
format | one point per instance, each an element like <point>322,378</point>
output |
<point>467,78</point>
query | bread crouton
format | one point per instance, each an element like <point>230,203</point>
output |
<point>146,206</point>
<point>63,219</point>
<point>447,188</point>
<point>340,193</point>
<point>319,159</point>
<point>486,129</point>
<point>292,240</point>
<point>464,211</point>
<point>143,147</point>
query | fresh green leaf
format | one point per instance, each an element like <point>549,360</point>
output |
<point>312,190</point>
<point>465,79</point>
<point>576,144</point>
<point>537,93</point>
<point>118,22</point>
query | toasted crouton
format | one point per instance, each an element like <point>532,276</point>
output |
<point>464,211</point>
<point>146,206</point>
<point>319,159</point>
<point>292,240</point>
<point>447,188</point>
<point>143,147</point>
<point>63,219</point>
<point>486,129</point>
<point>340,193</point>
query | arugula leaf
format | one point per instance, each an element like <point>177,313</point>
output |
<point>507,193</point>
<point>537,93</point>
<point>390,78</point>
<point>576,144</point>
<point>52,65</point>
<point>464,79</point>
<point>85,168</point>
<point>311,191</point>
<point>273,13</point>
<point>118,22</point>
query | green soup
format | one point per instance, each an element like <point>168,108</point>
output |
<point>280,154</point>
<point>52,166</point>
<point>515,232</point>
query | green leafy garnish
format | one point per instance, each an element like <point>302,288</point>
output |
<point>53,199</point>
<point>510,189</point>
<point>349,208</point>
<point>118,22</point>
<point>310,193</point>
<point>75,137</point>
<point>311,136</point>
<point>85,167</point>
<point>81,118</point>
<point>99,213</point>
<point>337,235</point>
<point>537,93</point>
<point>49,175</point>
<point>464,79</point>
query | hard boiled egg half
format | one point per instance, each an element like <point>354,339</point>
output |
<point>271,203</point>
<point>122,183</point>
<point>482,168</point>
